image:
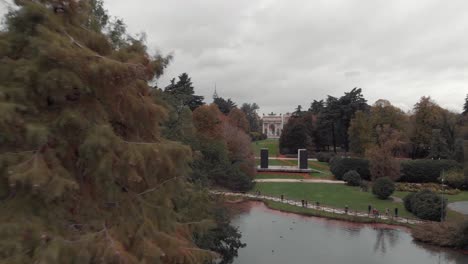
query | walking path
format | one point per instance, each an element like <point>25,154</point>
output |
<point>461,207</point>
<point>300,180</point>
<point>321,208</point>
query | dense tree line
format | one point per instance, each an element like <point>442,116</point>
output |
<point>327,123</point>
<point>348,124</point>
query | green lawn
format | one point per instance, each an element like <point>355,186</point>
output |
<point>275,162</point>
<point>313,212</point>
<point>336,195</point>
<point>278,176</point>
<point>270,144</point>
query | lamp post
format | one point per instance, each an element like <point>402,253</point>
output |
<point>442,200</point>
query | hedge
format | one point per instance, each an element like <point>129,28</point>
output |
<point>426,205</point>
<point>339,166</point>
<point>325,156</point>
<point>423,170</point>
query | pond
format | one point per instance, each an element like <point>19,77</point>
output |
<point>273,237</point>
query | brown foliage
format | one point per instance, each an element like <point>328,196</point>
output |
<point>447,234</point>
<point>382,155</point>
<point>238,119</point>
<point>208,121</point>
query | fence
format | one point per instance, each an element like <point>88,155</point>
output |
<point>330,209</point>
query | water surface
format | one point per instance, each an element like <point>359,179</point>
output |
<point>273,237</point>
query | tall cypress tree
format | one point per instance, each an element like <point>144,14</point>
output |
<point>85,176</point>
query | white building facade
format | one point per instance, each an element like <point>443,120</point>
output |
<point>273,124</point>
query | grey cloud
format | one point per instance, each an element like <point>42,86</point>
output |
<point>284,53</point>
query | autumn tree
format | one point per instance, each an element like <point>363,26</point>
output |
<point>365,125</point>
<point>426,117</point>
<point>85,173</point>
<point>360,133</point>
<point>227,158</point>
<point>237,118</point>
<point>382,162</point>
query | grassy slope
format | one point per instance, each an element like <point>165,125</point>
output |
<point>270,144</point>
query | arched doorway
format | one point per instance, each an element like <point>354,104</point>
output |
<point>272,129</point>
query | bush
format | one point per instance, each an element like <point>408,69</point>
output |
<point>456,179</point>
<point>425,170</point>
<point>407,201</point>
<point>352,178</point>
<point>447,234</point>
<point>426,205</point>
<point>383,188</point>
<point>256,136</point>
<point>339,166</point>
<point>325,156</point>
<point>416,187</point>
<point>364,185</point>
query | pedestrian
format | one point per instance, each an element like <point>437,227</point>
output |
<point>387,211</point>
<point>317,204</point>
<point>396,212</point>
<point>306,203</point>
<point>302,203</point>
<point>282,197</point>
<point>369,208</point>
<point>346,209</point>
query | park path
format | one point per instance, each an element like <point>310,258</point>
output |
<point>301,180</point>
<point>332,210</point>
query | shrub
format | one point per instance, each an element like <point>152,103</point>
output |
<point>456,179</point>
<point>416,187</point>
<point>407,201</point>
<point>352,178</point>
<point>447,234</point>
<point>426,205</point>
<point>364,185</point>
<point>325,156</point>
<point>256,136</point>
<point>383,188</point>
<point>425,170</point>
<point>339,166</point>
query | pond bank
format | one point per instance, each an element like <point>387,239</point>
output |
<point>293,206</point>
<point>276,237</point>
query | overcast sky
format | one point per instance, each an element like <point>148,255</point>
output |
<point>283,53</point>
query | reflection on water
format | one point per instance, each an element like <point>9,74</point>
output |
<point>278,238</point>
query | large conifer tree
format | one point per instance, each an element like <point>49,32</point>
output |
<point>85,176</point>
